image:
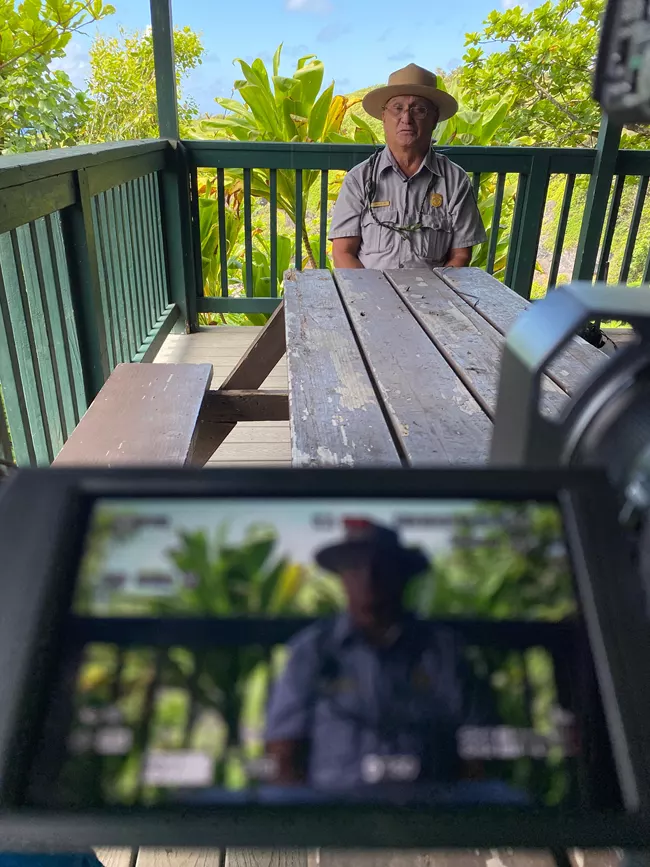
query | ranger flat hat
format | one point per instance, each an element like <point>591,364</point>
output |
<point>364,535</point>
<point>412,80</point>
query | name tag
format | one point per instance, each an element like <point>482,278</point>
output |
<point>380,204</point>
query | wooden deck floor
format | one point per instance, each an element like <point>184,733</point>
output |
<point>265,443</point>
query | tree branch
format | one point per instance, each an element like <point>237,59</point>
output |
<point>63,27</point>
<point>545,93</point>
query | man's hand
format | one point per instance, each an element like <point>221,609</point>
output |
<point>460,257</point>
<point>290,759</point>
<point>345,252</point>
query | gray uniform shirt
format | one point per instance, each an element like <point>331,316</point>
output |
<point>354,702</point>
<point>450,216</point>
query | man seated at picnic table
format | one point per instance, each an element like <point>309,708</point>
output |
<point>371,701</point>
<point>406,206</point>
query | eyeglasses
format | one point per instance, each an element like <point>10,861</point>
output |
<point>396,110</point>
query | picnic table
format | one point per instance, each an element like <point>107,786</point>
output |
<point>402,367</point>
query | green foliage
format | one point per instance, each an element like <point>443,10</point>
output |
<point>544,64</point>
<point>39,107</point>
<point>274,107</point>
<point>122,85</point>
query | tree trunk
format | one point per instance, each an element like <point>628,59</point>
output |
<point>310,252</point>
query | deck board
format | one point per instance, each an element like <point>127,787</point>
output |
<point>250,443</point>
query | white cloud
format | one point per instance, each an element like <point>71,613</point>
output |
<point>75,63</point>
<point>510,4</point>
<point>308,5</point>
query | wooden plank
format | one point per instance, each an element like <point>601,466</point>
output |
<point>179,858</point>
<point>469,344</point>
<point>336,419</point>
<point>269,858</point>
<point>437,858</point>
<point>262,355</point>
<point>145,414</point>
<point>501,307</point>
<point>117,857</point>
<point>435,416</point>
<point>21,205</point>
<point>245,405</point>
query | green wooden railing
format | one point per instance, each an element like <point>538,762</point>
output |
<point>86,281</point>
<point>531,169</point>
<point>100,251</point>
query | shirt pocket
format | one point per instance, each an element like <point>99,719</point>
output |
<point>433,240</point>
<point>376,238</point>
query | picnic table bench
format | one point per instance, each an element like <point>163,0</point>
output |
<point>402,367</point>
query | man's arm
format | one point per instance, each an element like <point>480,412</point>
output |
<point>458,257</point>
<point>344,252</point>
<point>290,761</point>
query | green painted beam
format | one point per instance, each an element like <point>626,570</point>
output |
<point>593,219</point>
<point>102,178</point>
<point>155,339</point>
<point>530,227</point>
<point>236,305</point>
<point>23,168</point>
<point>162,30</point>
<point>29,201</point>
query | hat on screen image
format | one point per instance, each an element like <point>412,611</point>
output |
<point>362,535</point>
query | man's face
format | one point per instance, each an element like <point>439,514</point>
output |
<point>374,589</point>
<point>409,121</point>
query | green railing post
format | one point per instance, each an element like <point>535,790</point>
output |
<point>178,229</point>
<point>162,30</point>
<point>530,226</point>
<point>593,219</point>
<point>85,291</point>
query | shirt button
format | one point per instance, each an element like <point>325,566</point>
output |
<point>400,265</point>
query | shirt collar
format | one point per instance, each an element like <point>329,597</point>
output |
<point>388,161</point>
<point>344,631</point>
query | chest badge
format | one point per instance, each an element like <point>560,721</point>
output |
<point>436,200</point>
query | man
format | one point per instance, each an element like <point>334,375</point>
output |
<point>374,697</point>
<point>406,207</point>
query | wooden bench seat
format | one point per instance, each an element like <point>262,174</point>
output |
<point>145,414</point>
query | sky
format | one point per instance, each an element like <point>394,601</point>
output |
<point>298,538</point>
<point>359,41</point>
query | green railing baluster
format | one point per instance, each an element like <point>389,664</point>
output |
<point>322,258</point>
<point>161,268</point>
<point>50,293</point>
<point>53,228</point>
<point>79,234</point>
<point>496,221</point>
<point>248,234</point>
<point>122,265</point>
<point>476,183</point>
<point>223,242</point>
<point>515,228</point>
<point>106,280</point>
<point>299,218</point>
<point>147,241</point>
<point>11,380</point>
<point>155,251</point>
<point>34,289</point>
<point>639,202</point>
<point>28,357</point>
<point>600,183</point>
<point>612,218</point>
<point>113,251</point>
<point>136,237</point>
<point>561,232</point>
<point>273,218</point>
<point>531,228</point>
<point>646,270</point>
<point>133,283</point>
<point>106,235</point>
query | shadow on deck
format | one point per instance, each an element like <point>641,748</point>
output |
<point>264,443</point>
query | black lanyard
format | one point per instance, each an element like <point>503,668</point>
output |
<point>405,232</point>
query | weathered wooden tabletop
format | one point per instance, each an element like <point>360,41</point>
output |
<point>401,367</point>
